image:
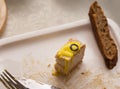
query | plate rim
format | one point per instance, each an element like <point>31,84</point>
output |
<point>53,29</point>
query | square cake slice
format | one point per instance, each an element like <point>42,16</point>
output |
<point>69,56</point>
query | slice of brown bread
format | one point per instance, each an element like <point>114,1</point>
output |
<point>100,28</point>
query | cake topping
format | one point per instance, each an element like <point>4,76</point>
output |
<point>69,49</point>
<point>74,47</point>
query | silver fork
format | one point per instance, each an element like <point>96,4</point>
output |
<point>10,82</point>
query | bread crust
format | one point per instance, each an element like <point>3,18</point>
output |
<point>104,40</point>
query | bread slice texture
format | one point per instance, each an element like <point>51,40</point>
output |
<point>102,34</point>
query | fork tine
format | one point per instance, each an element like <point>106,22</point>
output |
<point>18,84</point>
<point>4,83</point>
<point>8,83</point>
<point>10,80</point>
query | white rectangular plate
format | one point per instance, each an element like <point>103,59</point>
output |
<point>32,55</point>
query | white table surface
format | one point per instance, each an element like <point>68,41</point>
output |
<point>30,15</point>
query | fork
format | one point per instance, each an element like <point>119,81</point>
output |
<point>10,82</point>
